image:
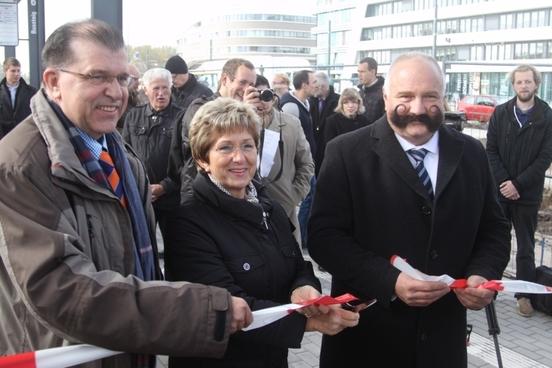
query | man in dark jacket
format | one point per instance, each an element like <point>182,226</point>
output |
<point>371,89</point>
<point>371,204</point>
<point>185,86</point>
<point>148,129</point>
<point>322,105</point>
<point>519,146</point>
<point>15,97</point>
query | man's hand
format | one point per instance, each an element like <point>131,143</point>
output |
<point>473,297</point>
<point>251,96</point>
<point>157,191</point>
<point>333,322</point>
<point>417,293</point>
<point>241,315</point>
<point>509,190</point>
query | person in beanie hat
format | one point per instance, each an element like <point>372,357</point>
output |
<point>185,87</point>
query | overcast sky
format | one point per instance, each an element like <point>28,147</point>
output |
<point>156,22</point>
<point>149,22</point>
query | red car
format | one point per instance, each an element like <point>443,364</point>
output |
<point>478,108</point>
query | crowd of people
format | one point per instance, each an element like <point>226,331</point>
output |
<point>91,165</point>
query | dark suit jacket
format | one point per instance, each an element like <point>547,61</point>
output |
<point>319,122</point>
<point>11,116</point>
<point>369,205</point>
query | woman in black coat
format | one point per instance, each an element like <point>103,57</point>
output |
<point>231,235</point>
<point>348,116</point>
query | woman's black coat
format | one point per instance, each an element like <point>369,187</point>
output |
<point>224,241</point>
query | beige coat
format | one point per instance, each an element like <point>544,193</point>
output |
<point>298,167</point>
<point>66,259</point>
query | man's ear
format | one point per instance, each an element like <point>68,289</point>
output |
<point>50,80</point>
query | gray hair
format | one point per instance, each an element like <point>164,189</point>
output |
<point>415,55</point>
<point>156,73</point>
<point>58,52</point>
<point>322,78</point>
<point>525,68</point>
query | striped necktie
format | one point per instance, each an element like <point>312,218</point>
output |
<point>418,155</point>
<point>112,176</point>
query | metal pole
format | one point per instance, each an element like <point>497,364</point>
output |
<point>434,48</point>
<point>36,40</point>
<point>494,329</point>
<point>329,45</point>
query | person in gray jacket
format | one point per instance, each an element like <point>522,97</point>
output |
<point>288,180</point>
<point>78,259</point>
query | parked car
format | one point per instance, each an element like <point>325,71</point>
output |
<point>455,119</point>
<point>478,108</point>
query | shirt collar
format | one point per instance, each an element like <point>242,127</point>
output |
<point>432,145</point>
<point>95,146</point>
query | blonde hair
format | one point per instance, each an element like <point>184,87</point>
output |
<point>350,94</point>
<point>218,117</point>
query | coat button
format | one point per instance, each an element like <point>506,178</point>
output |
<point>433,254</point>
<point>426,210</point>
<point>246,266</point>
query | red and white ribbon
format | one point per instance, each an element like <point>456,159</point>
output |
<point>68,356</point>
<point>510,286</point>
<point>263,317</point>
<point>65,356</point>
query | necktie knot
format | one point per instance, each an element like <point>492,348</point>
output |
<point>418,154</point>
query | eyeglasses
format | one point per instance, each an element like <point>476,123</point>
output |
<point>102,79</point>
<point>228,149</point>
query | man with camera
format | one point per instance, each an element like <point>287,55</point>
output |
<point>287,181</point>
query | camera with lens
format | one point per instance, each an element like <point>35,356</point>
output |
<point>266,95</point>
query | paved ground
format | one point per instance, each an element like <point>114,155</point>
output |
<point>524,342</point>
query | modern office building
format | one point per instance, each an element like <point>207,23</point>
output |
<point>478,41</point>
<point>273,39</point>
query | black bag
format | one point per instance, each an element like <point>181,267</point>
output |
<point>543,302</point>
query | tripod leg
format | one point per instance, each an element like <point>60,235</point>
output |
<point>494,329</point>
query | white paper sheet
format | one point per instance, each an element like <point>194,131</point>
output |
<point>270,146</point>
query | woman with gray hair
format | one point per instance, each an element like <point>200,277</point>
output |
<point>231,235</point>
<point>349,116</point>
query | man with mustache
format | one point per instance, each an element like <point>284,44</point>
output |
<point>436,207</point>
<point>519,145</point>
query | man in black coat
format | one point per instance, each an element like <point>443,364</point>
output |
<point>371,89</point>
<point>322,105</point>
<point>371,204</point>
<point>15,96</point>
<point>185,86</point>
<point>519,145</point>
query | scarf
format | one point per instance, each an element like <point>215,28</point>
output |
<point>144,258</point>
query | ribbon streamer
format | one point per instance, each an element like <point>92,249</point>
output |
<point>510,286</point>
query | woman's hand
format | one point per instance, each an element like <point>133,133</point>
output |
<point>333,322</point>
<point>305,293</point>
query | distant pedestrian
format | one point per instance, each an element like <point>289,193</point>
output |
<point>519,146</point>
<point>370,87</point>
<point>185,86</point>
<point>322,105</point>
<point>280,84</point>
<point>348,116</point>
<point>15,96</point>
